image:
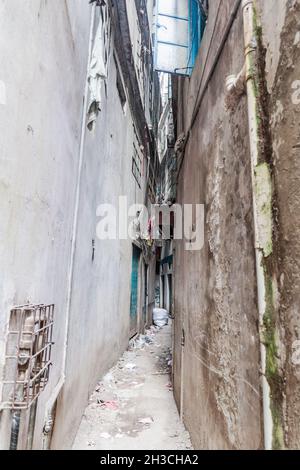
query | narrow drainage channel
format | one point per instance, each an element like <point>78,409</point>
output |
<point>133,407</point>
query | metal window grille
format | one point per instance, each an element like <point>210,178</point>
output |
<point>137,159</point>
<point>106,34</point>
<point>136,166</point>
<point>28,355</point>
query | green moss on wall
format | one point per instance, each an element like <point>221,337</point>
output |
<point>272,370</point>
<point>264,199</point>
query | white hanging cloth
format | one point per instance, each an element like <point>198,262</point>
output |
<point>97,74</point>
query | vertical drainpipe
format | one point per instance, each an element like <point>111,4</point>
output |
<point>253,112</point>
<point>16,416</point>
<point>31,425</point>
<point>51,405</point>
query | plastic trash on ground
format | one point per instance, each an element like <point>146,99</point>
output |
<point>160,317</point>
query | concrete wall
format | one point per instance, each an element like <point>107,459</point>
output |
<point>280,23</point>
<point>44,49</point>
<point>215,288</point>
<point>39,149</point>
<point>99,328</point>
<point>215,292</point>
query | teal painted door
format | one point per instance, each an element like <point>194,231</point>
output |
<point>145,308</point>
<point>136,253</point>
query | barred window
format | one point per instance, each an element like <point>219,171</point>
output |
<point>137,166</point>
<point>106,34</point>
<point>137,159</point>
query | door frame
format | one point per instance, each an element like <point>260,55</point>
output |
<point>134,326</point>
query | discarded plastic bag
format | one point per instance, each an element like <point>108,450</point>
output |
<point>110,405</point>
<point>160,317</point>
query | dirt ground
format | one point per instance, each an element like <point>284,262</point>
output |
<point>133,406</point>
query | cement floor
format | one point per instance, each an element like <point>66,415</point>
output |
<point>133,407</point>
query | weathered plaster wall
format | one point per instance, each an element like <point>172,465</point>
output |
<point>39,150</point>
<point>281,38</point>
<point>215,289</point>
<point>224,190</point>
<point>99,328</point>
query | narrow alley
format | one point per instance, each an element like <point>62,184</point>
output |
<point>133,405</point>
<point>149,226</point>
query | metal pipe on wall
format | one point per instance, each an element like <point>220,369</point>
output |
<point>31,425</point>
<point>15,429</point>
